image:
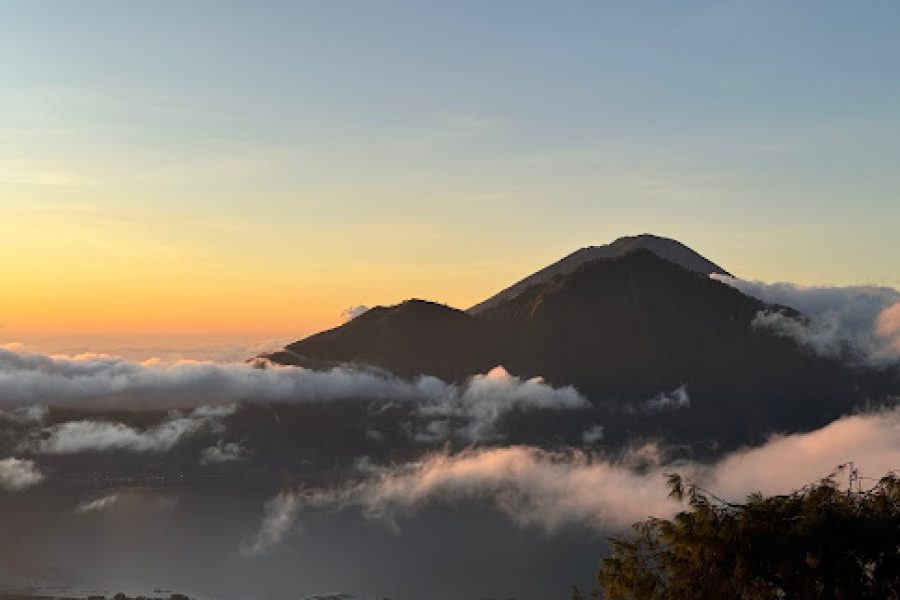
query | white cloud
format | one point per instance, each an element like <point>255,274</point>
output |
<point>222,453</point>
<point>865,318</point>
<point>97,505</point>
<point>592,435</point>
<point>674,400</point>
<point>134,501</point>
<point>486,398</point>
<point>17,474</point>
<point>350,313</point>
<point>93,436</point>
<point>279,519</point>
<point>535,487</point>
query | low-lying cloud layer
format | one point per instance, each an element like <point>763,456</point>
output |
<point>90,380</point>
<point>535,487</point>
<point>867,318</point>
<point>18,474</point>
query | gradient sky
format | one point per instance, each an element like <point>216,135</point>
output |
<point>252,168</point>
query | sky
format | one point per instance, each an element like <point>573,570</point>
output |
<point>245,171</point>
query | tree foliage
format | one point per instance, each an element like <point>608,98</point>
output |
<point>822,541</point>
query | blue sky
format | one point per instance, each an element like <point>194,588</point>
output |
<point>363,152</point>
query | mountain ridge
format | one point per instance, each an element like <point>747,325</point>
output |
<point>666,248</point>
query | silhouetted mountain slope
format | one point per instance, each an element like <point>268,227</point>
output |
<point>670,250</point>
<point>636,323</point>
<point>409,339</point>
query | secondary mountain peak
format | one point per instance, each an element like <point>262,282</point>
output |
<point>668,249</point>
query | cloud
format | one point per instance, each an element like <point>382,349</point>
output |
<point>92,380</point>
<point>677,399</point>
<point>132,500</point>
<point>554,489</point>
<point>279,519</point>
<point>864,318</point>
<point>529,485</point>
<point>674,400</point>
<point>348,314</point>
<point>486,398</point>
<point>97,505</point>
<point>95,436</point>
<point>32,413</point>
<point>17,474</point>
<point>787,462</point>
<point>592,435</point>
<point>888,326</point>
<point>222,453</point>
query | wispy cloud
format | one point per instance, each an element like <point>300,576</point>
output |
<point>97,505</point>
<point>674,400</point>
<point>93,436</point>
<point>279,519</point>
<point>350,313</point>
<point>863,319</point>
<point>222,452</point>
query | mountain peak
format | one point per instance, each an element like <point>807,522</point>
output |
<point>668,249</point>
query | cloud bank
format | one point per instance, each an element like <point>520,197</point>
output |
<point>92,380</point>
<point>18,474</point>
<point>864,318</point>
<point>535,487</point>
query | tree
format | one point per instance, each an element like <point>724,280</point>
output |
<point>820,542</point>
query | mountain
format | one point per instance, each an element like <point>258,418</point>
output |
<point>621,330</point>
<point>670,250</point>
<point>411,338</point>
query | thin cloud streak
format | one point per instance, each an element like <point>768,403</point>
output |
<point>98,505</point>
